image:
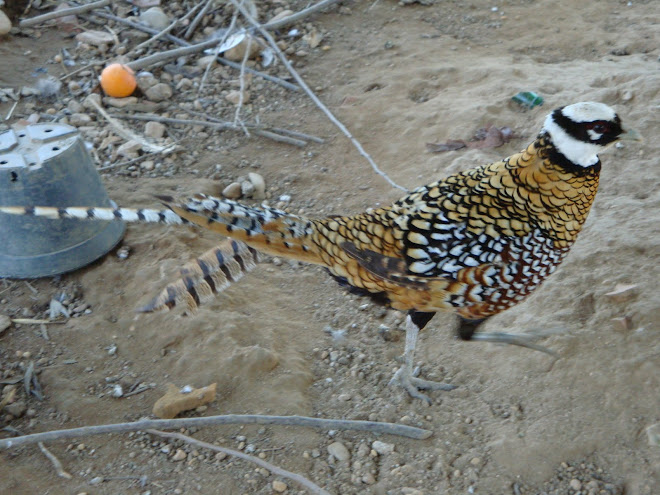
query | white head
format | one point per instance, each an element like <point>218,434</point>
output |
<point>582,130</point>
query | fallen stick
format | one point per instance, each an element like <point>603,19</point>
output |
<point>61,13</point>
<point>270,26</point>
<point>313,487</point>
<point>311,94</point>
<point>229,419</point>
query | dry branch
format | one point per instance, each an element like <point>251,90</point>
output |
<point>230,419</point>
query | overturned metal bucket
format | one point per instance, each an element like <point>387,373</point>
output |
<point>48,165</point>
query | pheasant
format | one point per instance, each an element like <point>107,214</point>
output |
<point>474,243</point>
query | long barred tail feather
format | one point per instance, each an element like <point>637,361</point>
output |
<point>269,230</point>
<point>205,277</point>
<point>142,215</point>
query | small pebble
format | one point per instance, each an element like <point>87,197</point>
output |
<point>382,448</point>
<point>120,102</point>
<point>129,149</point>
<point>154,130</point>
<point>87,102</point>
<point>369,479</point>
<point>575,484</point>
<point>179,455</point>
<point>5,24</point>
<point>234,97</point>
<point>159,92</point>
<point>279,486</point>
<point>259,185</point>
<point>5,323</point>
<point>232,191</point>
<point>155,17</point>
<point>339,451</point>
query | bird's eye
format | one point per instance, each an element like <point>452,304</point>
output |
<point>600,127</point>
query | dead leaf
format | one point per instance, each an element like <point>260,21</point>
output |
<point>485,138</point>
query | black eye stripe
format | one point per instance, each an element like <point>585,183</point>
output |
<point>579,130</point>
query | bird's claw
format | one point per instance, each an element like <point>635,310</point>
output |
<point>404,378</point>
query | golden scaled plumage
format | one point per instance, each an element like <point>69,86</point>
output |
<point>508,198</point>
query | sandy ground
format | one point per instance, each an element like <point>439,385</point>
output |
<point>398,77</point>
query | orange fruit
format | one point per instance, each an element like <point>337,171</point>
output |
<point>118,80</point>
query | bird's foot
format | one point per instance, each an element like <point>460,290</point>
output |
<point>412,384</point>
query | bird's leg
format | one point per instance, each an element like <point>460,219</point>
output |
<point>467,330</point>
<point>415,321</point>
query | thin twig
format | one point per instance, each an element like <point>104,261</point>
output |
<point>198,18</point>
<point>127,162</point>
<point>311,94</point>
<point>69,74</point>
<point>55,461</point>
<point>278,130</point>
<point>230,419</point>
<point>241,88</point>
<point>271,26</point>
<point>13,107</point>
<point>310,485</point>
<point>302,135</point>
<point>61,13</point>
<point>216,52</point>
<point>156,58</point>
<point>213,125</point>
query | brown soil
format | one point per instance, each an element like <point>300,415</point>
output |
<point>398,77</point>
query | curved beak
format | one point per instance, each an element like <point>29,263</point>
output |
<point>630,135</point>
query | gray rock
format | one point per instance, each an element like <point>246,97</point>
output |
<point>78,119</point>
<point>155,17</point>
<point>87,102</point>
<point>232,191</point>
<point>120,102</point>
<point>339,451</point>
<point>146,80</point>
<point>5,23</point>
<point>247,188</point>
<point>96,38</point>
<point>5,323</point>
<point>129,149</point>
<point>154,130</point>
<point>159,92</point>
<point>259,185</point>
<point>17,409</point>
<point>382,448</point>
